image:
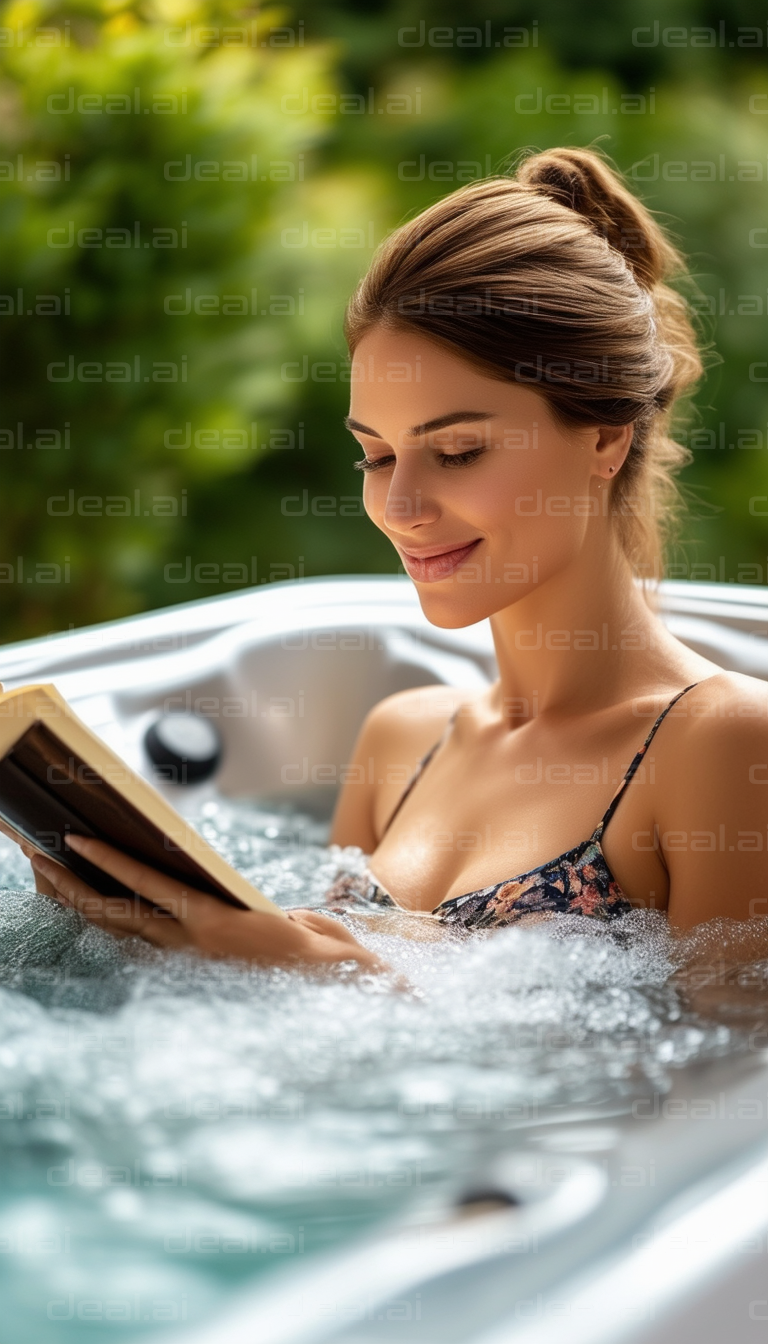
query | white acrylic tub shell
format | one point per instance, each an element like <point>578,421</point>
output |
<point>288,672</point>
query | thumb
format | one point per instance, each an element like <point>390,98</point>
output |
<point>312,919</point>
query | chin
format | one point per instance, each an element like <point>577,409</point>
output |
<point>449,611</point>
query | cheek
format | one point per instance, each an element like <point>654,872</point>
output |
<point>511,490</point>
<point>550,475</point>
<point>530,504</point>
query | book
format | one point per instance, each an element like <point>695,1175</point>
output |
<point>57,778</point>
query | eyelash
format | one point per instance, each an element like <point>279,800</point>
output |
<point>446,460</point>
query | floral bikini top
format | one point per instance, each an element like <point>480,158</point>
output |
<point>578,882</point>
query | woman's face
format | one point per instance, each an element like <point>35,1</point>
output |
<point>482,493</point>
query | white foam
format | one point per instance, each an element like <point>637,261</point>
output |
<point>152,1105</point>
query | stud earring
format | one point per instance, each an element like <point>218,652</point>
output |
<point>611,469</point>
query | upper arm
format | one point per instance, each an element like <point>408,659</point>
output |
<point>353,816</point>
<point>394,735</point>
<point>713,822</point>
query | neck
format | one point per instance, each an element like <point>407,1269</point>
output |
<point>572,644</point>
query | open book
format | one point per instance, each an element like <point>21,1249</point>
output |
<point>57,777</point>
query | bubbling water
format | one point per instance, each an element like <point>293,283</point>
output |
<point>174,1127</point>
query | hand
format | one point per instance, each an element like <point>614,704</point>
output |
<point>169,915</point>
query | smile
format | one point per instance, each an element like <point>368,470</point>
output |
<point>425,568</point>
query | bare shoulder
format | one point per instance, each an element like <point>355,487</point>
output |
<point>723,713</point>
<point>719,732</point>
<point>394,735</point>
<point>414,717</point>
<point>711,807</point>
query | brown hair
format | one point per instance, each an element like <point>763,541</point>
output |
<point>556,278</point>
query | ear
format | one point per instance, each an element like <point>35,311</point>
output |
<point>611,447</point>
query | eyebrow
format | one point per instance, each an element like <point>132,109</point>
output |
<point>439,422</point>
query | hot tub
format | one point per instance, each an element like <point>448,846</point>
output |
<point>632,1206</point>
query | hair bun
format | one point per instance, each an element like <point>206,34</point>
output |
<point>585,182</point>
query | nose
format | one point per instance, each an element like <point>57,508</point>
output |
<point>408,505</point>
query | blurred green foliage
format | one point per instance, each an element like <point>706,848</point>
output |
<point>190,189</point>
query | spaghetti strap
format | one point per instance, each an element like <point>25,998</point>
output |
<point>425,760</point>
<point>637,758</point>
<point>418,772</point>
<point>577,882</point>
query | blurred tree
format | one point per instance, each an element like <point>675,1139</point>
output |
<point>157,205</point>
<point>188,192</point>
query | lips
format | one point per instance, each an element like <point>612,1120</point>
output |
<point>431,568</point>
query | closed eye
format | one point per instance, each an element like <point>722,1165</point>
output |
<point>373,463</point>
<point>445,460</point>
<point>461,459</point>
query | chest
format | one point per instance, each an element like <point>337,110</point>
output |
<point>481,813</point>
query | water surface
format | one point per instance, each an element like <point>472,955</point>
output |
<point>172,1129</point>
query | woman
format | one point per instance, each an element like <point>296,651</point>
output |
<point>517,356</point>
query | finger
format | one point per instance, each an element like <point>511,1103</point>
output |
<point>25,846</point>
<point>73,891</point>
<point>336,939</point>
<point>312,919</point>
<point>121,915</point>
<point>44,884</point>
<point>164,891</point>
